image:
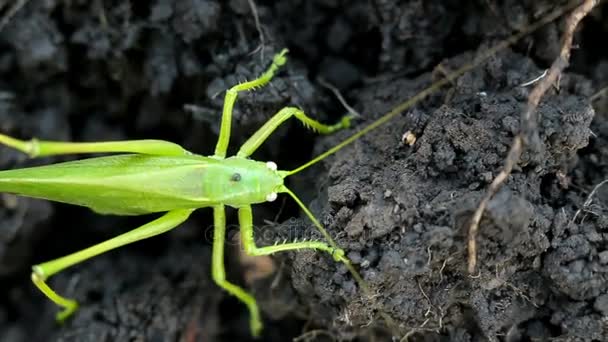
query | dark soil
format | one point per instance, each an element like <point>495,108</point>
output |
<point>102,70</point>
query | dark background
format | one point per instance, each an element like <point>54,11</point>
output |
<point>105,70</point>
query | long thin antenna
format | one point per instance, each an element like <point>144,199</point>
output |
<point>311,217</point>
<point>353,271</point>
<point>399,109</point>
<point>435,86</point>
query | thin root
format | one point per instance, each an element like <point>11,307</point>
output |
<point>313,334</point>
<point>258,27</point>
<point>528,135</point>
<point>339,96</point>
<point>599,94</point>
<point>531,82</point>
<point>589,199</point>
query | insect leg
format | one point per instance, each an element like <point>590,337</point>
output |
<point>40,148</point>
<point>231,95</point>
<point>246,223</point>
<point>264,132</point>
<point>42,272</point>
<point>219,274</point>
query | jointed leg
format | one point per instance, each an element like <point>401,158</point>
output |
<point>262,134</point>
<point>246,223</point>
<point>219,274</point>
<point>231,95</point>
<point>40,148</point>
<point>43,271</point>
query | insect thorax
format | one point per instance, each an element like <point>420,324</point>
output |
<point>239,181</point>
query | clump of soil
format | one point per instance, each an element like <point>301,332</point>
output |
<point>402,211</point>
<point>107,70</point>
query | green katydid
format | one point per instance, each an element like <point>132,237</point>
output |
<point>155,176</point>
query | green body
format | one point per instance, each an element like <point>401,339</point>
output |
<point>134,184</point>
<point>161,176</point>
<point>156,176</point>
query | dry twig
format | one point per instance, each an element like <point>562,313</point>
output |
<point>528,135</point>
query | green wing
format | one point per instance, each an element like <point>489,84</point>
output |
<point>129,184</point>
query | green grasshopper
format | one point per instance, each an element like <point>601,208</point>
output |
<point>156,176</point>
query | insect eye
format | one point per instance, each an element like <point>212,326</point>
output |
<point>235,177</point>
<point>271,165</point>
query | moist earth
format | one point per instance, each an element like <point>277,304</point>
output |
<point>398,200</point>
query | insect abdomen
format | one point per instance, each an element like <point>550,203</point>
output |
<point>122,184</point>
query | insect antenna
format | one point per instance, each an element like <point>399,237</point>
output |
<point>351,269</point>
<point>362,283</point>
<point>478,60</point>
<point>311,217</point>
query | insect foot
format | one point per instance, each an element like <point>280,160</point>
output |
<point>69,305</point>
<point>255,326</point>
<point>280,59</point>
<point>345,121</point>
<point>66,313</point>
<point>339,255</point>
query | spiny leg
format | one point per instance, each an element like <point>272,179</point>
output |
<point>246,224</point>
<point>40,148</point>
<point>231,95</point>
<point>219,274</point>
<point>42,272</point>
<point>264,132</point>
